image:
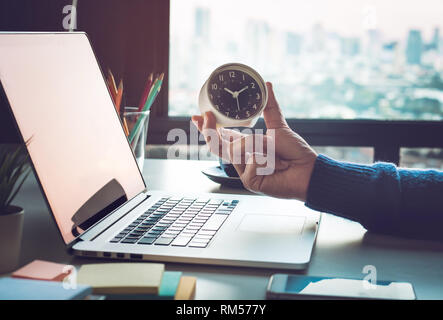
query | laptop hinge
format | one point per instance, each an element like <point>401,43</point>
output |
<point>114,217</point>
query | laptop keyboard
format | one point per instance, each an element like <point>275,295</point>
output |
<point>178,222</point>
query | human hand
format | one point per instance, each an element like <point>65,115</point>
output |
<point>290,157</point>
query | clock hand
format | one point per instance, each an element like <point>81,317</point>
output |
<point>242,90</point>
<point>233,93</point>
<point>238,105</point>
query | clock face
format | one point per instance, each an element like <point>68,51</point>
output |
<point>235,94</point>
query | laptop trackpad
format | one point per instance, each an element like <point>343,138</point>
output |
<point>274,224</point>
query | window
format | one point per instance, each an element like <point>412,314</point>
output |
<point>422,158</point>
<point>340,59</point>
<point>347,73</point>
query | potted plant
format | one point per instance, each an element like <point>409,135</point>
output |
<point>14,169</point>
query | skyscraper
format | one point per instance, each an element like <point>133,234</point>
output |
<point>257,39</point>
<point>414,47</point>
<point>350,46</point>
<point>293,43</point>
<point>202,20</point>
<point>318,38</point>
<point>436,39</point>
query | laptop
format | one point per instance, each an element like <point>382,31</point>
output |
<point>94,189</point>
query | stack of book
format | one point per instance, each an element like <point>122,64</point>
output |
<point>44,280</point>
<point>136,281</point>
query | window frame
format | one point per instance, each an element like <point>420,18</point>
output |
<point>385,136</point>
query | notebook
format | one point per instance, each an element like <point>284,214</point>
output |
<point>42,270</point>
<point>122,278</point>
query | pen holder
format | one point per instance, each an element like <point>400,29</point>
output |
<point>136,127</point>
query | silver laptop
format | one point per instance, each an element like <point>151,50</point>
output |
<point>94,189</point>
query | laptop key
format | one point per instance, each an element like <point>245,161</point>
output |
<point>223,212</point>
<point>206,232</point>
<point>214,223</point>
<point>131,240</point>
<point>215,202</point>
<point>198,244</point>
<point>171,233</point>
<point>189,232</point>
<point>163,241</point>
<point>147,240</point>
<point>157,232</point>
<point>202,237</point>
<point>181,241</point>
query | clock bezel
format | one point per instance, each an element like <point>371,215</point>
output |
<point>254,75</point>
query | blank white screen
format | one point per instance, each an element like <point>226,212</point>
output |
<point>59,98</point>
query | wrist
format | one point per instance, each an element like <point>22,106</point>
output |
<point>308,170</point>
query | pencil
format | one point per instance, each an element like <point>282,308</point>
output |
<point>125,126</point>
<point>152,95</point>
<point>118,98</point>
<point>154,92</point>
<point>112,85</point>
<point>146,91</point>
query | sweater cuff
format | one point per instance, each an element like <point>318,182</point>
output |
<point>341,188</point>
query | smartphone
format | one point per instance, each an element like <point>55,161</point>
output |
<point>285,286</point>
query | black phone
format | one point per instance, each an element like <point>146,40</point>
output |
<point>285,286</point>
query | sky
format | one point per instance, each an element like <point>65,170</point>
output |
<point>394,18</point>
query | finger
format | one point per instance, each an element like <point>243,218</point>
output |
<point>237,149</point>
<point>272,113</point>
<point>258,174</point>
<point>198,122</point>
<point>226,137</point>
<point>249,178</point>
<point>209,121</point>
<point>210,133</point>
<point>268,163</point>
<point>230,134</point>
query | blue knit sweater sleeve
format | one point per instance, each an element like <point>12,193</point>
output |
<point>382,197</point>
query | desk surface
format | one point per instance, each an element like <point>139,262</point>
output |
<point>343,248</point>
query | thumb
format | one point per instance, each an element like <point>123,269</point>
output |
<point>274,118</point>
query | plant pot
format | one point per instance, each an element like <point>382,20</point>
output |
<point>11,226</point>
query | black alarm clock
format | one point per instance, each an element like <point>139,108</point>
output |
<point>236,94</point>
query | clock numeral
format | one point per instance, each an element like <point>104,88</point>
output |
<point>248,113</point>
<point>255,106</point>
<point>211,96</point>
<point>214,86</point>
<point>217,107</point>
<point>243,76</point>
<point>220,77</point>
<point>231,74</point>
<point>258,96</point>
<point>237,117</point>
<point>227,114</point>
<point>252,85</point>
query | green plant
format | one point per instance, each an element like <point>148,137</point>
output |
<point>14,169</point>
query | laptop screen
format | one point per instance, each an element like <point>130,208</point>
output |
<point>76,142</point>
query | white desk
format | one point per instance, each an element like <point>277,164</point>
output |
<point>343,248</point>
